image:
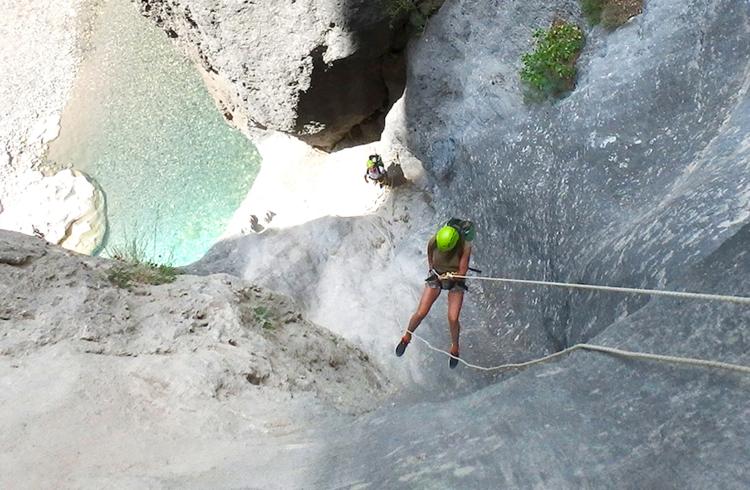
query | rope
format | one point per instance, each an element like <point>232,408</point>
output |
<point>600,348</point>
<point>653,292</point>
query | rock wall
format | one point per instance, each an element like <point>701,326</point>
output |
<point>631,179</point>
<point>638,178</point>
<point>313,68</point>
<point>109,380</point>
<point>40,53</point>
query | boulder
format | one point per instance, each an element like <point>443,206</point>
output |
<point>66,209</point>
<point>208,372</point>
<point>316,69</point>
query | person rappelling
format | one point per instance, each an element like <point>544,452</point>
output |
<point>448,252</point>
<point>376,171</point>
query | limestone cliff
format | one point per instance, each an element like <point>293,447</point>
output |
<point>639,177</point>
<point>99,369</point>
<point>39,54</point>
<point>312,68</point>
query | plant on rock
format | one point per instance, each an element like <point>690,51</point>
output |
<point>134,266</point>
<point>263,317</point>
<point>550,70</point>
<point>610,13</point>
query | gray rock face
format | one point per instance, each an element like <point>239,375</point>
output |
<point>313,68</point>
<point>588,421</point>
<point>636,175</point>
<point>638,178</point>
<point>264,339</point>
<point>192,372</point>
<point>641,178</point>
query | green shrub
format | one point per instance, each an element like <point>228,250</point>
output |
<point>550,69</point>
<point>134,266</point>
<point>610,13</point>
<point>263,317</point>
<point>397,8</point>
<point>126,274</point>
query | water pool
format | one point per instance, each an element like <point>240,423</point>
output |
<point>141,123</point>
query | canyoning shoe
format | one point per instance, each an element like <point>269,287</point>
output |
<point>401,347</point>
<point>453,360</point>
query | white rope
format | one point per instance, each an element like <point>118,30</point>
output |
<point>653,292</point>
<point>599,348</point>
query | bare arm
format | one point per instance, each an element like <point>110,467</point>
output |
<point>463,263</point>
<point>430,249</point>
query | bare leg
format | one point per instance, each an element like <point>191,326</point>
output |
<point>429,295</point>
<point>455,301</point>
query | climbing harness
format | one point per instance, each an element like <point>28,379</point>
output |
<point>600,348</point>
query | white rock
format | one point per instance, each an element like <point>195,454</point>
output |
<point>45,130</point>
<point>198,371</point>
<point>51,128</point>
<point>66,208</point>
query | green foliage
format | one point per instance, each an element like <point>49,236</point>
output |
<point>135,267</point>
<point>263,317</point>
<point>550,69</point>
<point>134,251</point>
<point>126,274</point>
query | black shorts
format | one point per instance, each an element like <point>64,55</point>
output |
<point>452,285</point>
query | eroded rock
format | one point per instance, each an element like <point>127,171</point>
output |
<point>313,68</point>
<point>65,209</point>
<point>68,300</point>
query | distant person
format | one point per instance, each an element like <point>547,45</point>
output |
<point>376,170</point>
<point>449,250</point>
<point>255,225</point>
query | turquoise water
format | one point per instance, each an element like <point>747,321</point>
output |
<point>142,124</point>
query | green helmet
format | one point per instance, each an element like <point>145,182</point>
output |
<point>446,238</point>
